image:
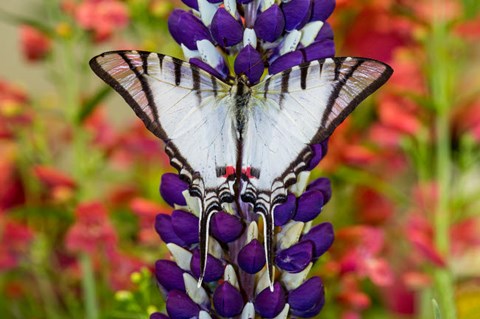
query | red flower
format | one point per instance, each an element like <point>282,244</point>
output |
<point>92,231</point>
<point>146,211</point>
<point>35,44</point>
<point>14,241</point>
<point>103,17</point>
<point>373,207</point>
<point>12,192</point>
<point>58,185</point>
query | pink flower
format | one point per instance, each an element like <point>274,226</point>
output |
<point>92,232</point>
<point>103,17</point>
<point>146,211</point>
<point>35,44</point>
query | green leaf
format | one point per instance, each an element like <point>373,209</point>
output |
<point>90,105</point>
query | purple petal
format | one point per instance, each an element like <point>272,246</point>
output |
<point>226,227</point>
<point>309,206</point>
<point>251,257</point>
<point>295,258</point>
<point>187,29</point>
<point>158,315</point>
<point>323,185</point>
<point>322,9</point>
<point>180,306</point>
<point>191,3</point>
<point>163,226</point>
<point>269,304</point>
<point>249,62</point>
<point>319,152</point>
<point>225,29</point>
<point>215,1</point>
<point>284,212</point>
<point>297,13</point>
<point>220,73</point>
<point>227,300</point>
<point>214,270</point>
<point>285,62</point>
<point>244,1</point>
<point>185,226</point>
<point>270,24</point>
<point>308,299</point>
<point>169,275</point>
<point>171,188</point>
<point>322,237</point>
<point>323,47</point>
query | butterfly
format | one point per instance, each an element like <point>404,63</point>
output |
<point>235,141</point>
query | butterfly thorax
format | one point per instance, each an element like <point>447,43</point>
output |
<point>240,93</point>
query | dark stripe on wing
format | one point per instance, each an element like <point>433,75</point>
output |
<point>196,83</point>
<point>303,75</point>
<point>284,85</point>
<point>177,65</point>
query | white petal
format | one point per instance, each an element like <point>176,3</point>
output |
<point>231,276</point>
<point>181,256</point>
<point>293,281</point>
<point>204,315</point>
<point>267,4</point>
<point>197,294</point>
<point>284,313</point>
<point>214,248</point>
<point>249,38</point>
<point>209,53</point>
<point>252,232</point>
<point>207,11</point>
<point>231,7</point>
<point>302,180</point>
<point>193,203</point>
<point>291,42</point>
<point>188,54</point>
<point>248,311</point>
<point>289,234</point>
<point>310,32</point>
<point>263,281</point>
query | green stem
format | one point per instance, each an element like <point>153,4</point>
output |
<point>441,98</point>
<point>88,283</point>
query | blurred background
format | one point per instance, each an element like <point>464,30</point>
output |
<point>79,174</point>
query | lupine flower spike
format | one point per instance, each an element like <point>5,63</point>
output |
<point>262,35</point>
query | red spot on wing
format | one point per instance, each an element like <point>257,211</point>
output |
<point>229,170</point>
<point>248,172</point>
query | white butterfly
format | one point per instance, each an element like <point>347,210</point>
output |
<point>233,141</point>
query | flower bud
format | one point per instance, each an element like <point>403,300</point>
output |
<point>171,188</point>
<point>284,212</point>
<point>296,258</point>
<point>308,299</point>
<point>226,30</point>
<point>169,275</point>
<point>286,61</point>
<point>249,62</point>
<point>309,206</point>
<point>158,315</point>
<point>319,152</point>
<point>164,228</point>
<point>269,304</point>
<point>297,13</point>
<point>322,237</point>
<point>251,257</point>
<point>227,300</point>
<point>191,3</point>
<point>322,185</point>
<point>323,46</point>
<point>214,270</point>
<point>322,9</point>
<point>180,306</point>
<point>270,24</point>
<point>226,227</point>
<point>185,225</point>
<point>187,29</point>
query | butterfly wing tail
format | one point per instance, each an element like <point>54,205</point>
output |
<point>268,243</point>
<point>204,234</point>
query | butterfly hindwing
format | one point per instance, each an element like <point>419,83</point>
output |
<point>190,111</point>
<point>291,111</point>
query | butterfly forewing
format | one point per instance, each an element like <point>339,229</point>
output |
<point>291,111</point>
<point>189,110</point>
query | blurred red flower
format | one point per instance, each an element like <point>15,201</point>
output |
<point>35,44</point>
<point>92,231</point>
<point>58,185</point>
<point>146,211</point>
<point>14,242</point>
<point>103,17</point>
<point>12,192</point>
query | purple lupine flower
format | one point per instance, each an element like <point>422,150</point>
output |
<point>265,37</point>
